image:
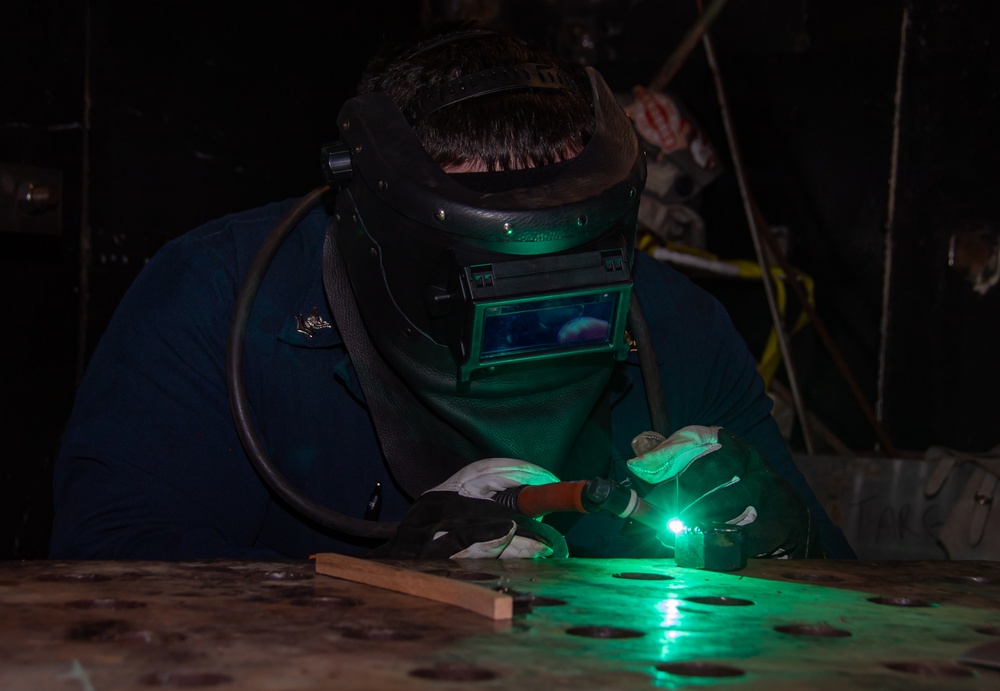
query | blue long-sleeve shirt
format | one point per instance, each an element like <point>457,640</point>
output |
<point>152,466</point>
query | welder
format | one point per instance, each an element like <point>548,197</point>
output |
<point>364,370</point>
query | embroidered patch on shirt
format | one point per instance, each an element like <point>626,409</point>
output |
<point>309,324</point>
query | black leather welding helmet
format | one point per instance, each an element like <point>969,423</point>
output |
<point>533,266</point>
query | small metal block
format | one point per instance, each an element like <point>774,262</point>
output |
<point>713,547</point>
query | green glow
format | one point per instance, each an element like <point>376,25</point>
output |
<point>676,526</point>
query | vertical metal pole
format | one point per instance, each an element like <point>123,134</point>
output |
<point>687,44</point>
<point>753,217</point>
<point>890,217</point>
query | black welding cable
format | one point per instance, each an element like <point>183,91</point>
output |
<point>239,405</point>
<point>647,365</point>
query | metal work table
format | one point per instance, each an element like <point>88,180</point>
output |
<point>578,624</point>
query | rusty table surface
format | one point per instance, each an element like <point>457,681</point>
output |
<point>578,624</point>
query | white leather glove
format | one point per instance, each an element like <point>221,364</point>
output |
<point>458,519</point>
<point>706,474</point>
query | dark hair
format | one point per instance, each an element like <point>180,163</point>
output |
<point>509,130</point>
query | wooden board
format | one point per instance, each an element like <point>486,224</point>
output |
<point>475,598</point>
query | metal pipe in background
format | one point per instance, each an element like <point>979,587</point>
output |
<point>890,222</point>
<point>687,44</point>
<point>759,229</point>
<point>753,218</point>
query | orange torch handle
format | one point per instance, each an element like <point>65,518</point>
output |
<point>538,500</point>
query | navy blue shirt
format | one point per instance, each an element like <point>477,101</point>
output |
<point>152,467</point>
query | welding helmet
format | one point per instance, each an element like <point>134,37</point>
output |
<point>536,266</point>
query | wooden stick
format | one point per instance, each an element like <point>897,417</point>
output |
<point>474,598</point>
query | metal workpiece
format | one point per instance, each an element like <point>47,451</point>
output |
<point>714,547</point>
<point>577,623</point>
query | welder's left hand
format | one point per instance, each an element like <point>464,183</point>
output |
<point>458,519</point>
<point>705,474</point>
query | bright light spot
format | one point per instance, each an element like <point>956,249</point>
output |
<point>676,526</point>
<point>670,625</point>
<point>670,609</point>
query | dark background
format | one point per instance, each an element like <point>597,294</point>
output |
<point>150,119</point>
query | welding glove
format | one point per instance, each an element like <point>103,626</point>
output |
<point>458,519</point>
<point>705,474</point>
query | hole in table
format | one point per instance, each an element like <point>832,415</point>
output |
<point>186,679</point>
<point>604,632</point>
<point>720,600</point>
<point>454,673</point>
<point>699,668</point>
<point>74,577</point>
<point>376,633</point>
<point>98,630</point>
<point>326,601</point>
<point>816,630</point>
<point>812,577</point>
<point>286,575</point>
<point>282,591</point>
<point>929,669</point>
<point>642,576</point>
<point>899,602</point>
<point>105,603</point>
<point>975,580</point>
<point>524,603</point>
<point>147,637</point>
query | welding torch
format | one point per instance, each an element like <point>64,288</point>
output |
<point>711,546</point>
<point>586,496</point>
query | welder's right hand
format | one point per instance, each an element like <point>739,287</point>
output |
<point>707,475</point>
<point>458,519</point>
